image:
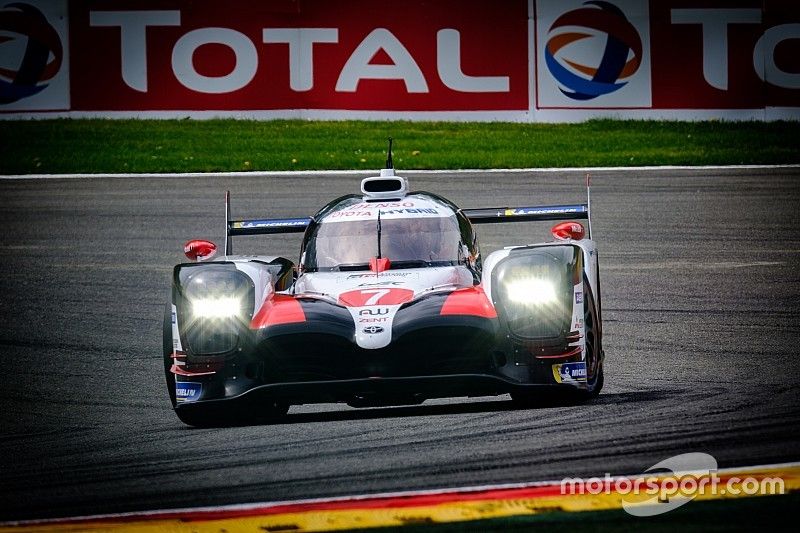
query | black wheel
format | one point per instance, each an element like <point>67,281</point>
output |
<point>170,377</point>
<point>213,415</point>
<point>594,345</point>
<point>594,364</point>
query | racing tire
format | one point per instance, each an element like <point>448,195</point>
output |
<point>170,377</point>
<point>211,416</point>
<point>594,367</point>
<point>594,346</point>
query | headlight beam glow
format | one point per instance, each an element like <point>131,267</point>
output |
<point>531,291</point>
<point>216,307</point>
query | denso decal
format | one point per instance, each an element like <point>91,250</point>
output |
<point>364,206</point>
<point>186,391</point>
<point>570,372</point>
<point>410,209</point>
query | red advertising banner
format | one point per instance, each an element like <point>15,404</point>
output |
<point>521,60</point>
<point>725,55</point>
<point>304,54</point>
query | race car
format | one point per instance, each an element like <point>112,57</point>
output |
<point>390,303</point>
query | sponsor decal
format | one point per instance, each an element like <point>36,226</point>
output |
<point>620,59</point>
<point>415,208</point>
<point>551,210</point>
<point>374,311</point>
<point>373,320</point>
<point>570,372</point>
<point>176,337</point>
<point>277,223</point>
<point>340,216</point>
<point>332,55</point>
<point>593,53</point>
<point>186,391</point>
<point>364,206</point>
<point>383,275</point>
<point>373,330</point>
<point>725,55</point>
<point>33,56</point>
<point>579,297</point>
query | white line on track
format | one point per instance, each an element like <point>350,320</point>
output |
<point>350,173</point>
<point>355,498</point>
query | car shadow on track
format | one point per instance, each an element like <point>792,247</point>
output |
<point>399,412</point>
<point>493,405</point>
<point>474,407</point>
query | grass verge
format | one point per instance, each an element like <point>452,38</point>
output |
<point>92,146</point>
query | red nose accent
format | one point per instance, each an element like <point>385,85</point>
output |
<point>568,230</point>
<point>468,301</point>
<point>198,249</point>
<point>280,309</point>
<point>379,264</point>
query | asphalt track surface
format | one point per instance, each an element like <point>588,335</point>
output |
<point>701,283</point>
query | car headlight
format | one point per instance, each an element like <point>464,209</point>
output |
<point>533,289</point>
<point>216,306</point>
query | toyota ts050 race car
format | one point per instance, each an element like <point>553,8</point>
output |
<point>390,303</point>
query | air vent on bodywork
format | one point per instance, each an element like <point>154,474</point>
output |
<point>383,187</point>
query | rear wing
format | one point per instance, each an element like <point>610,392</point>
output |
<point>494,215</point>
<point>491,215</point>
<point>264,226</point>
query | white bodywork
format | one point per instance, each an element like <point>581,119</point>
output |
<point>381,295</point>
<point>373,299</point>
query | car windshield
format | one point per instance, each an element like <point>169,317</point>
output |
<point>410,242</point>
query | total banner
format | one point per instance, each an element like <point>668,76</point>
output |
<point>516,60</point>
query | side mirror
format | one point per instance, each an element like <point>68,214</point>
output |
<point>568,230</point>
<point>199,250</point>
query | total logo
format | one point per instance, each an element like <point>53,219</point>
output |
<point>620,57</point>
<point>32,55</point>
<point>593,54</point>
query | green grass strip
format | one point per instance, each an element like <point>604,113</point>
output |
<point>92,146</point>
